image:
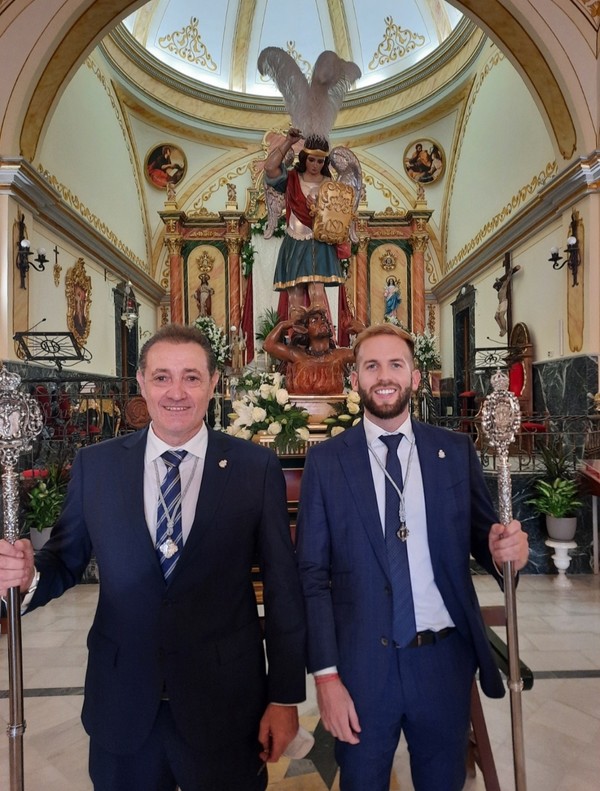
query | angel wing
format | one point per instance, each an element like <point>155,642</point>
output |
<point>313,107</point>
<point>349,171</point>
<point>275,205</point>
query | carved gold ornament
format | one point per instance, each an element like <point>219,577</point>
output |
<point>333,212</point>
<point>388,260</point>
<point>187,44</point>
<point>397,44</point>
<point>78,289</point>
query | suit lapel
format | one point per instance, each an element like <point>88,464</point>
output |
<point>434,460</point>
<point>215,477</point>
<point>354,459</point>
<point>131,466</point>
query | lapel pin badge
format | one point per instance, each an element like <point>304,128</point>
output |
<point>441,454</point>
<point>223,464</point>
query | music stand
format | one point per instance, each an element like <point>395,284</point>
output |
<point>59,348</point>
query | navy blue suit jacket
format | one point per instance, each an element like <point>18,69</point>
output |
<point>200,636</point>
<point>343,561</point>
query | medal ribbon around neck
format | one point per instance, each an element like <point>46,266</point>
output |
<point>168,546</point>
<point>403,532</point>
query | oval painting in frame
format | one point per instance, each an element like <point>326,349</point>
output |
<point>165,164</point>
<point>424,161</point>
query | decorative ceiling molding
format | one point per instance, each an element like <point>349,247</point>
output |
<point>187,45</point>
<point>38,193</point>
<point>512,37</point>
<point>397,43</point>
<point>174,93</point>
<point>565,189</point>
<point>498,220</point>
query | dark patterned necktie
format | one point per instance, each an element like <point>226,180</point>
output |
<point>169,537</point>
<point>404,626</point>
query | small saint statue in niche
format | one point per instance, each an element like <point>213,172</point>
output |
<point>238,349</point>
<point>203,296</point>
<point>391,294</point>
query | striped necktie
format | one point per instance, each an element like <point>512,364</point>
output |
<point>404,626</point>
<point>169,537</point>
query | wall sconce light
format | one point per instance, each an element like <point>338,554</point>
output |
<point>129,312</point>
<point>23,253</point>
<point>573,259</point>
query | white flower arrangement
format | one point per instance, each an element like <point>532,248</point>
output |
<point>216,337</point>
<point>268,408</point>
<point>426,355</point>
<point>247,257</point>
<point>347,414</point>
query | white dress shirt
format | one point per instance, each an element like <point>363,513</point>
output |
<point>430,611</point>
<point>190,469</point>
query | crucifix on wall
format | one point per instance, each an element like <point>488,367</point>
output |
<point>503,287</point>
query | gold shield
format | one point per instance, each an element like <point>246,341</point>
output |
<point>333,212</point>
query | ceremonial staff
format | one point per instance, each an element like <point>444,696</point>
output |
<point>20,422</point>
<point>501,418</point>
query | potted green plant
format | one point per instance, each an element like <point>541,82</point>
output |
<point>557,493</point>
<point>45,503</point>
<point>266,322</point>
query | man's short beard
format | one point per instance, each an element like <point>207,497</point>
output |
<point>389,410</point>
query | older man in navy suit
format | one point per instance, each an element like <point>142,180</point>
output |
<point>390,512</point>
<point>176,691</point>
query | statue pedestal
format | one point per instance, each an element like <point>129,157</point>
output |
<point>561,560</point>
<point>318,408</point>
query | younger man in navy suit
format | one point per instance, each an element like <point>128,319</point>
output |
<point>390,512</point>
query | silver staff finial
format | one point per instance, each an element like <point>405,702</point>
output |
<point>501,413</point>
<point>20,422</point>
<point>501,419</point>
<point>21,419</point>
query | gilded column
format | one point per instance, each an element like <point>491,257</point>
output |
<point>234,246</point>
<point>419,241</point>
<point>362,292</point>
<point>173,245</point>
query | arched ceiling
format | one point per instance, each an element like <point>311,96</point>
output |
<point>220,49</point>
<point>45,68</point>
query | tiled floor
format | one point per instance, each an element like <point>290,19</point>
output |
<point>559,635</point>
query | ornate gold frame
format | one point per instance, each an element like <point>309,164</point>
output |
<point>427,144</point>
<point>171,176</point>
<point>78,290</point>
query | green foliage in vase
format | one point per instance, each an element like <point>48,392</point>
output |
<point>559,497</point>
<point>46,499</point>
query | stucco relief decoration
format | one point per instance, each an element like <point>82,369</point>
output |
<point>508,209</point>
<point>593,8</point>
<point>205,263</point>
<point>424,161</point>
<point>388,260</point>
<point>397,43</point>
<point>187,44</point>
<point>199,208</point>
<point>78,290</point>
<point>386,192</point>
